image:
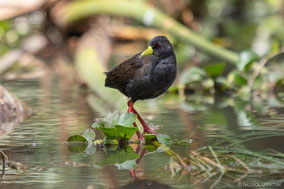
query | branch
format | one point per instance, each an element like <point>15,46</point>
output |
<point>149,16</point>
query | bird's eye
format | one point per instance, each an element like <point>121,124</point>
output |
<point>158,45</point>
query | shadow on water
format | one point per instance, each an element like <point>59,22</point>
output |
<point>60,110</point>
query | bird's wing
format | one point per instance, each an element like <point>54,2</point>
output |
<point>119,77</point>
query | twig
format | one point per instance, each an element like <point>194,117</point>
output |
<point>222,169</point>
<point>217,180</point>
<point>218,164</point>
<point>199,164</point>
<point>209,176</point>
<point>190,138</point>
<point>214,155</point>
<point>4,159</point>
<point>257,71</point>
<point>241,162</point>
<point>199,160</point>
<point>203,177</point>
<point>254,154</point>
<point>173,154</point>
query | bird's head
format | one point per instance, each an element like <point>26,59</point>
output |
<point>159,46</point>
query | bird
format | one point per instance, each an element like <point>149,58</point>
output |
<point>146,75</point>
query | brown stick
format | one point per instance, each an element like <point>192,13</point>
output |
<point>4,159</point>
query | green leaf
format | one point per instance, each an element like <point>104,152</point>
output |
<point>240,80</point>
<point>129,164</point>
<point>77,143</point>
<point>119,156</point>
<point>110,141</point>
<point>89,134</point>
<point>236,78</point>
<point>246,59</point>
<point>207,83</point>
<point>77,138</point>
<point>149,138</point>
<point>119,132</point>
<point>125,133</point>
<point>164,148</point>
<point>97,125</point>
<point>215,69</point>
<point>150,148</point>
<point>125,119</point>
<point>121,127</point>
<point>76,148</point>
<point>221,84</point>
<point>110,133</point>
<point>193,74</point>
<point>164,139</point>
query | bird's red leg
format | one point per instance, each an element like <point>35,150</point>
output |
<point>132,173</point>
<point>130,106</point>
<point>130,110</point>
<point>143,123</point>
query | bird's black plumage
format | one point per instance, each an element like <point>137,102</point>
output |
<point>145,77</point>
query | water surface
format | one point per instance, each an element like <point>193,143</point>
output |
<point>60,110</point>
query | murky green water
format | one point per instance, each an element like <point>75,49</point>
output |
<point>61,110</point>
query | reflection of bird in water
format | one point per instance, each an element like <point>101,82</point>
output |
<point>146,75</point>
<point>142,183</point>
<point>145,184</point>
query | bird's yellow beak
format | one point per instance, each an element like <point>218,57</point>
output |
<point>147,52</point>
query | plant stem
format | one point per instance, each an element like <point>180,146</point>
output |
<point>149,16</point>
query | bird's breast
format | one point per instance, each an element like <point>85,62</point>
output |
<point>164,73</point>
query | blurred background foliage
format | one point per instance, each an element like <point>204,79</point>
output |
<point>224,47</point>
